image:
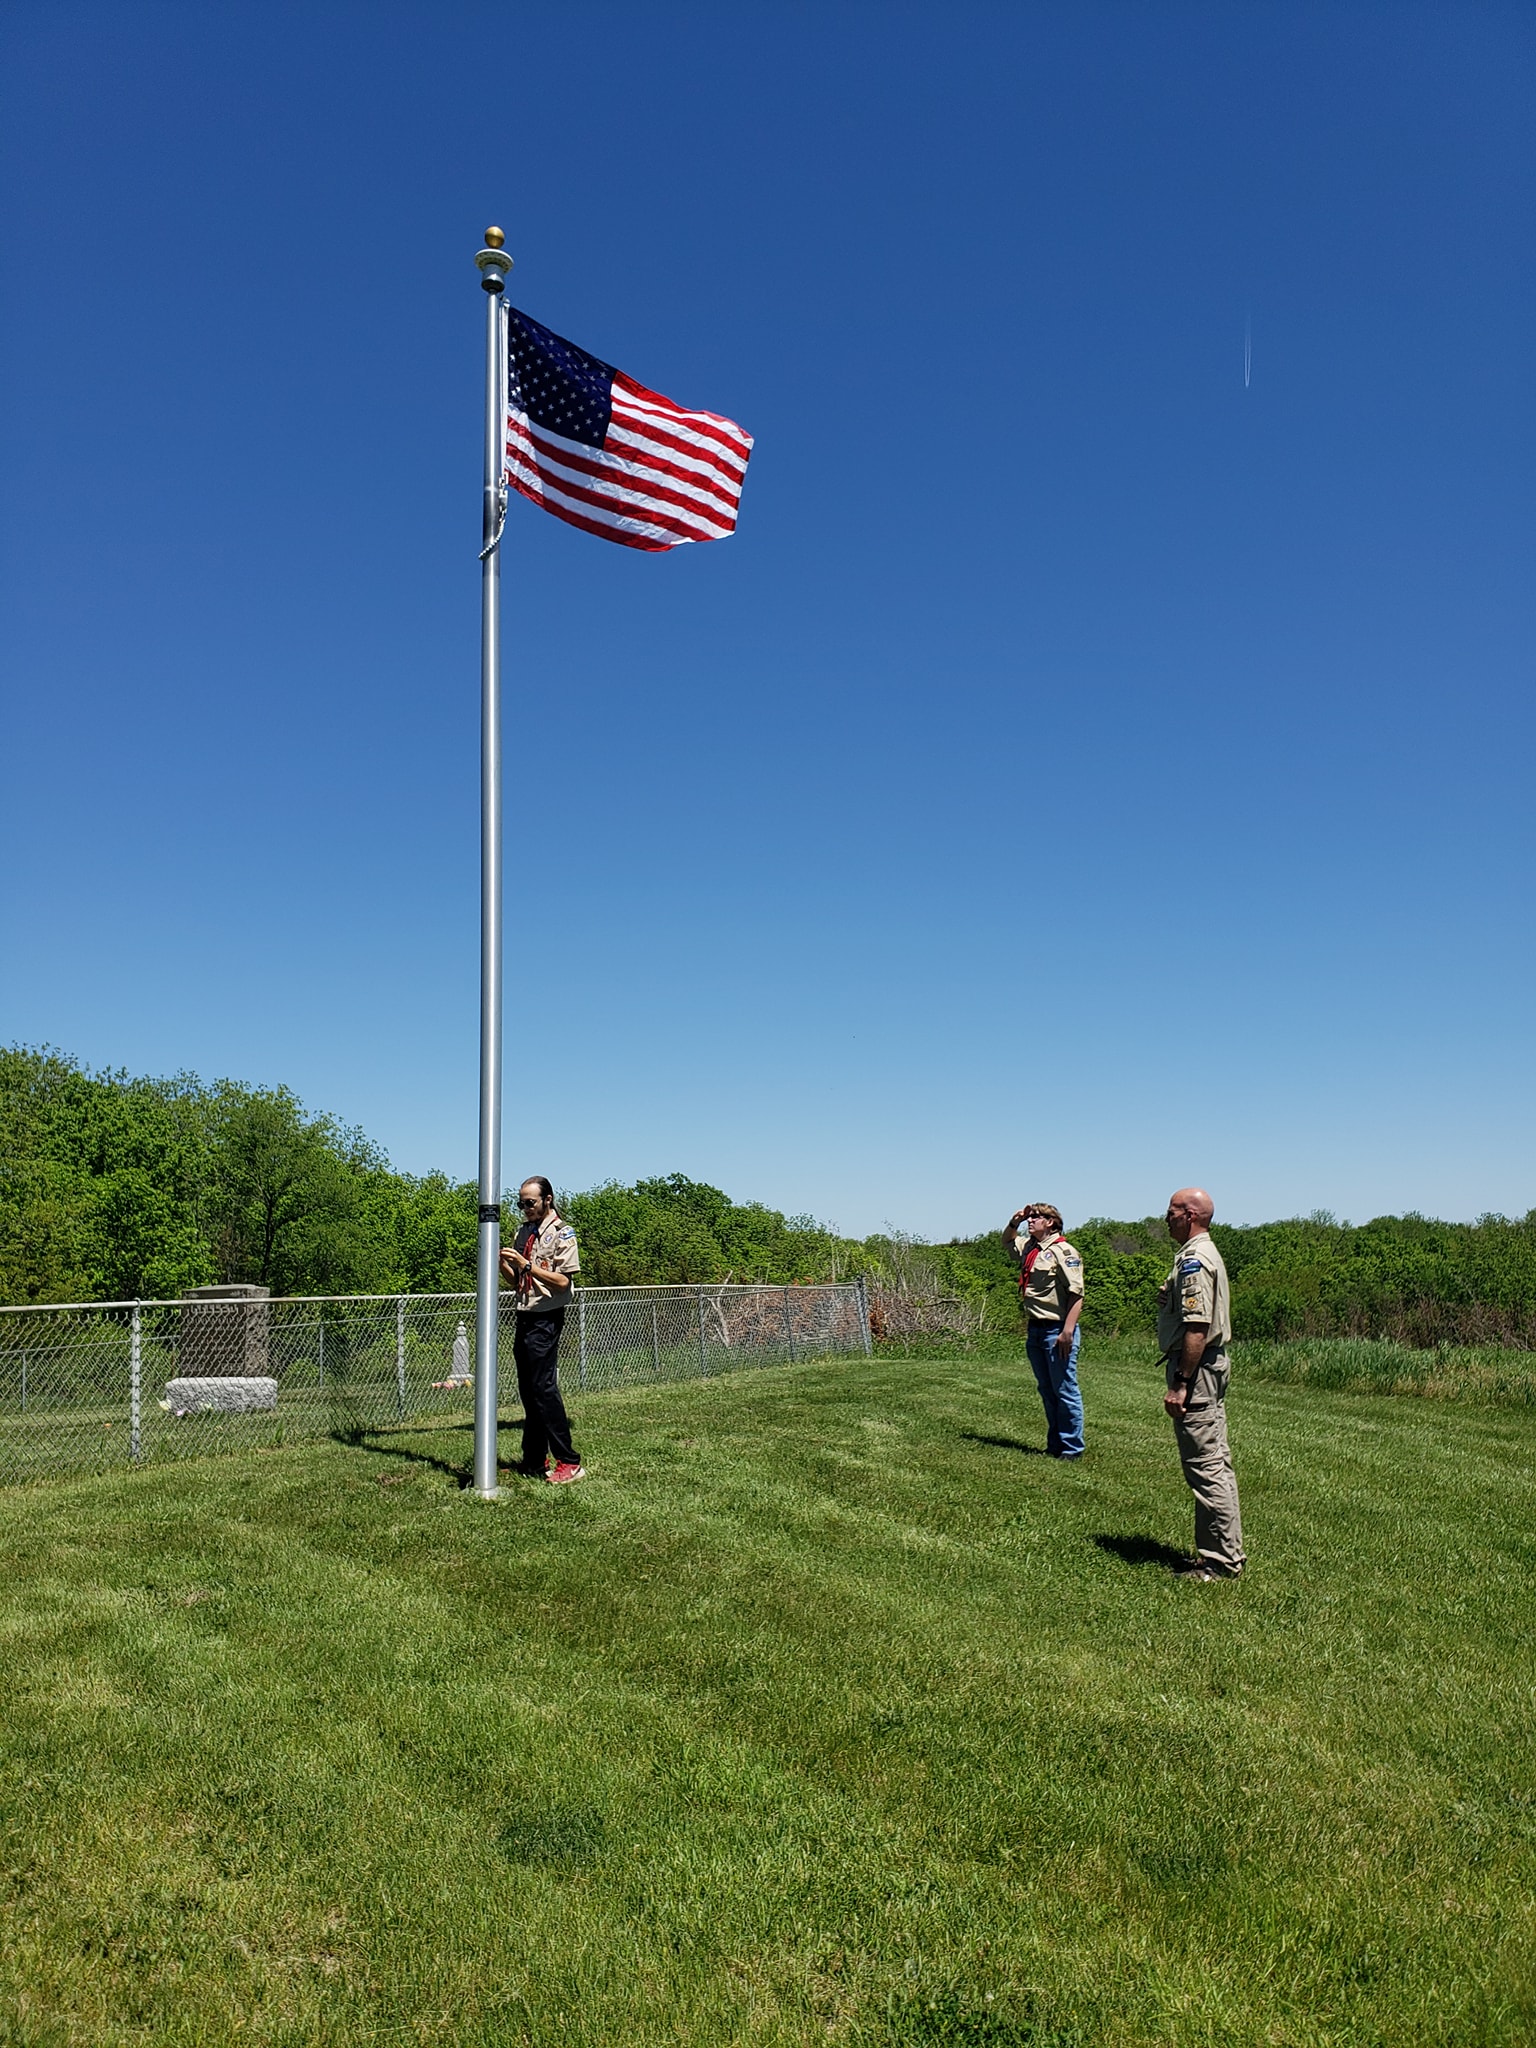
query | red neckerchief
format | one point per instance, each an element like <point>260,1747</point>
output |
<point>1030,1257</point>
<point>525,1278</point>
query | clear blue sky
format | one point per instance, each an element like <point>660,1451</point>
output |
<point>1080,774</point>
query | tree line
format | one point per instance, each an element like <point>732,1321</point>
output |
<point>116,1187</point>
<point>1411,1278</point>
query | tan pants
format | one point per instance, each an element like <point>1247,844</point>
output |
<point>1201,1432</point>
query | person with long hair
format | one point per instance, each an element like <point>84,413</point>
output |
<point>541,1262</point>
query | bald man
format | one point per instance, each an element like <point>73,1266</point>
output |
<point>1194,1328</point>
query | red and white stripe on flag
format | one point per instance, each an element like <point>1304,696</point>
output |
<point>663,475</point>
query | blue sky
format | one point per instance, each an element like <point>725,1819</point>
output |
<point>1081,773</point>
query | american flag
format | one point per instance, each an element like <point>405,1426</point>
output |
<point>597,449</point>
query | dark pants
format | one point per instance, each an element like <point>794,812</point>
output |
<point>546,1427</point>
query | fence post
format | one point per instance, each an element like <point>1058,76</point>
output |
<point>864,1314</point>
<point>703,1355</point>
<point>789,1328</point>
<point>655,1341</point>
<point>135,1368</point>
<point>322,1351</point>
<point>23,1383</point>
<point>581,1337</point>
<point>400,1356</point>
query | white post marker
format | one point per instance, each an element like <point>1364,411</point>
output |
<point>494,265</point>
<point>135,1382</point>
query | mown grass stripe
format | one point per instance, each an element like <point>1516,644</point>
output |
<point>822,1711</point>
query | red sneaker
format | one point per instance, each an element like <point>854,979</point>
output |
<point>564,1474</point>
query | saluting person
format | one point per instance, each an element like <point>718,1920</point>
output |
<point>1194,1328</point>
<point>1051,1298</point>
<point>542,1261</point>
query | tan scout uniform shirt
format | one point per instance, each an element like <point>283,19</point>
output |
<point>552,1243</point>
<point>1053,1279</point>
<point>1196,1291</point>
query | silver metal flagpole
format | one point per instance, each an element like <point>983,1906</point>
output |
<point>494,265</point>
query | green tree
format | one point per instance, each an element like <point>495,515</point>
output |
<point>287,1196</point>
<point>114,1186</point>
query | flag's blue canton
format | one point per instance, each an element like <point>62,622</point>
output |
<point>559,386</point>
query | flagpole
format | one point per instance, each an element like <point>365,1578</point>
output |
<point>494,265</point>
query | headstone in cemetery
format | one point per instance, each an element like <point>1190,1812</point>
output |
<point>224,1331</point>
<point>459,1374</point>
<point>224,1394</point>
<point>222,1352</point>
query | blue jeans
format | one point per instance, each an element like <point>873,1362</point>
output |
<point>1056,1377</point>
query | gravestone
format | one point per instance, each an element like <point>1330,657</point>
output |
<point>224,1331</point>
<point>222,1352</point>
<point>224,1394</point>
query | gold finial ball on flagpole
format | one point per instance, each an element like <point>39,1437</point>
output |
<point>494,238</point>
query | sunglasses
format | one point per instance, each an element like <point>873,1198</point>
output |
<point>529,1201</point>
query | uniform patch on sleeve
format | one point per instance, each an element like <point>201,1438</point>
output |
<point>1190,1266</point>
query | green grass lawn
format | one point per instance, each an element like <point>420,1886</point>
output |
<point>827,1709</point>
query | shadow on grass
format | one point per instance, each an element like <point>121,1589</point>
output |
<point>1003,1443</point>
<point>387,1444</point>
<point>1144,1550</point>
<point>572,1836</point>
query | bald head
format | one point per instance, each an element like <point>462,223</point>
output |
<point>1190,1210</point>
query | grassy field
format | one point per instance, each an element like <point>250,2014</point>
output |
<point>1487,1375</point>
<point>827,1710</point>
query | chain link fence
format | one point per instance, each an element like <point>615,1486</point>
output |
<point>86,1387</point>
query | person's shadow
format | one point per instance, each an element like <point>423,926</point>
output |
<point>1143,1550</point>
<point>1003,1443</point>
